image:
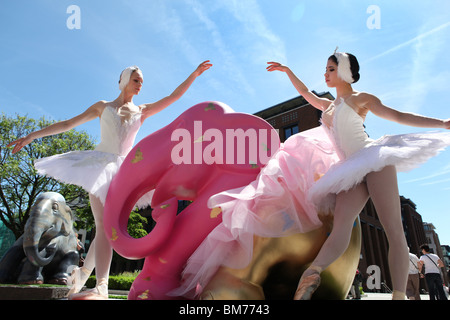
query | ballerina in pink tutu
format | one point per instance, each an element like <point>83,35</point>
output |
<point>334,167</point>
<point>93,170</point>
<point>367,168</point>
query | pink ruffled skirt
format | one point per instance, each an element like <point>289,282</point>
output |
<point>299,183</point>
<point>273,205</point>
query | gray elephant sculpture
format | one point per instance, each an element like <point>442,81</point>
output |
<point>47,249</point>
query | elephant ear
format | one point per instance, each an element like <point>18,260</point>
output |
<point>208,137</point>
<point>63,211</point>
<point>66,212</point>
<point>177,160</point>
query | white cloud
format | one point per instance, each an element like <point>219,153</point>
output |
<point>442,172</point>
<point>427,48</point>
<point>414,81</point>
<point>230,59</point>
<point>11,103</point>
<point>263,42</point>
<point>414,40</point>
<point>192,25</point>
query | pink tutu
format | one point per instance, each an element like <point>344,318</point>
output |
<point>296,187</point>
<point>273,205</point>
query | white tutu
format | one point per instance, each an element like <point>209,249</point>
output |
<point>92,170</point>
<point>404,151</point>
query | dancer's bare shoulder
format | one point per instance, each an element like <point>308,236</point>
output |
<point>362,100</point>
<point>94,111</point>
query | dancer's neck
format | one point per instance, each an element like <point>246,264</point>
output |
<point>344,91</point>
<point>124,98</point>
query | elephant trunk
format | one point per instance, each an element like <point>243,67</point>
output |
<point>38,258</point>
<point>36,241</point>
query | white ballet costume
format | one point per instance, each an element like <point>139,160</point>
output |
<point>93,170</point>
<point>361,155</point>
<point>298,185</point>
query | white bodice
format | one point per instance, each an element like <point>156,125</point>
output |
<point>346,128</point>
<point>118,132</point>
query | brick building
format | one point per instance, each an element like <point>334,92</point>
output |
<point>374,247</point>
<point>293,116</point>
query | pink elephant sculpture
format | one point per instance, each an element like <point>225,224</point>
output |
<point>208,149</point>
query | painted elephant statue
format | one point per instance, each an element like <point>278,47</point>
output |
<point>185,160</point>
<point>47,249</point>
<point>207,149</point>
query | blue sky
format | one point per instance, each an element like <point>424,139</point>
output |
<point>49,69</point>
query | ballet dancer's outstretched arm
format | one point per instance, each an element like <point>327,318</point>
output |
<point>373,104</point>
<point>91,113</point>
<point>313,99</point>
<point>363,101</point>
<point>96,110</point>
<point>153,108</point>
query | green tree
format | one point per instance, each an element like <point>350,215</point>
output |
<point>19,182</point>
<point>136,225</point>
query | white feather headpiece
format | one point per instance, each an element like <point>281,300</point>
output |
<point>344,67</point>
<point>125,77</point>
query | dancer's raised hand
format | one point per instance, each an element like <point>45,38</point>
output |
<point>276,66</point>
<point>205,65</point>
<point>20,143</point>
<point>447,124</point>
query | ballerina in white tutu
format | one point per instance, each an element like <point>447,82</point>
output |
<point>93,170</point>
<point>367,168</point>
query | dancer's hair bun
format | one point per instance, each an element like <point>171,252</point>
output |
<point>354,67</point>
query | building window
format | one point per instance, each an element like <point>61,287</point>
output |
<point>289,117</point>
<point>289,131</point>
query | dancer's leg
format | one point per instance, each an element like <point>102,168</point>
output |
<point>383,190</point>
<point>348,206</point>
<point>89,261</point>
<point>99,255</point>
<point>80,275</point>
<point>103,250</point>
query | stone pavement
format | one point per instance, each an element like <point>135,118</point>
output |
<point>365,296</point>
<point>32,292</point>
<point>10,292</point>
